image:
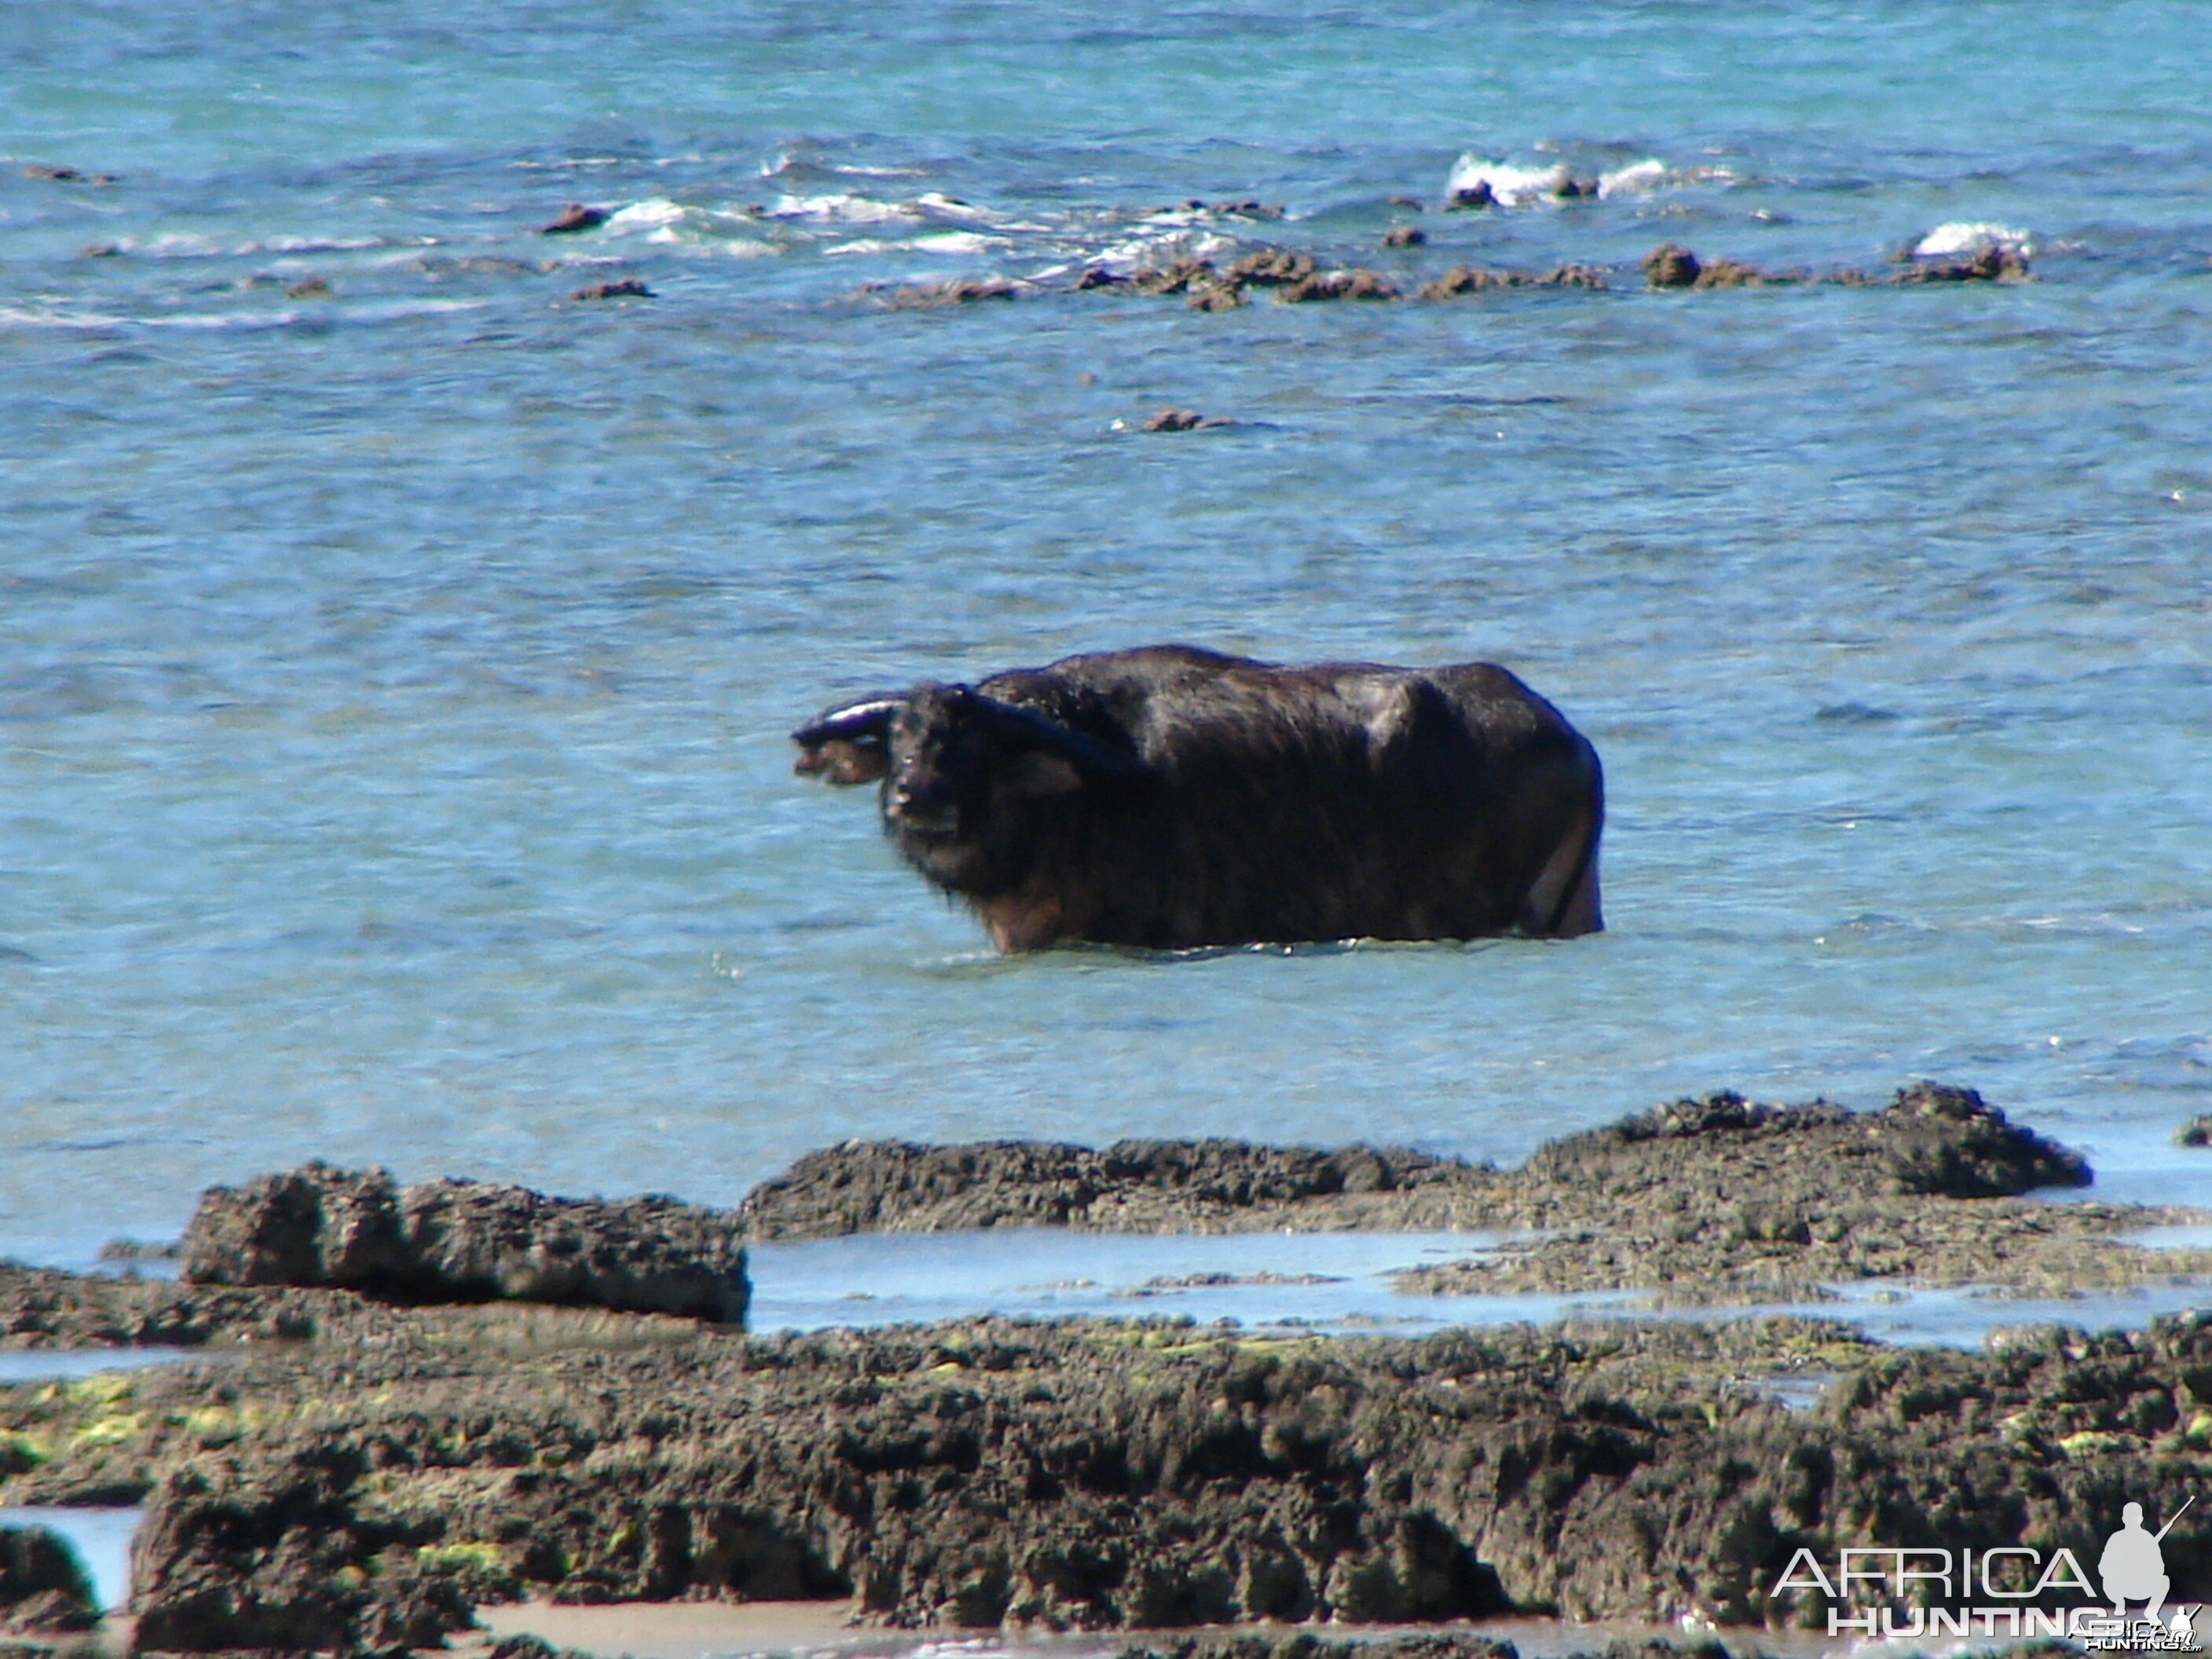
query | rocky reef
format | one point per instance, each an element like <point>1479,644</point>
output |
<point>365,1491</point>
<point>462,1241</point>
<point>434,1397</point>
<point>1717,1199</point>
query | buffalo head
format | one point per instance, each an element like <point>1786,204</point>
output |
<point>964,774</point>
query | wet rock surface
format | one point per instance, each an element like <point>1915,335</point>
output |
<point>364,1490</point>
<point>447,1241</point>
<point>1714,1199</point>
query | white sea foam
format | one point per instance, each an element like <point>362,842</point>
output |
<point>29,317</point>
<point>1138,251</point>
<point>1963,238</point>
<point>841,210</point>
<point>176,245</point>
<point>24,317</point>
<point>1636,178</point>
<point>655,213</point>
<point>955,241</point>
<point>1512,186</point>
<point>784,161</point>
<point>940,206</point>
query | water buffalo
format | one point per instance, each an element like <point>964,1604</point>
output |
<point>1172,796</point>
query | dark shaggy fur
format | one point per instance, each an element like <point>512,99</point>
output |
<point>1172,796</point>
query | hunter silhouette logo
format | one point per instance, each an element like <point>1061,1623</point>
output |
<point>1966,1593</point>
<point>2133,1566</point>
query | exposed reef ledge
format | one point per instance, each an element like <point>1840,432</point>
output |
<point>364,1492</point>
<point>1712,1200</point>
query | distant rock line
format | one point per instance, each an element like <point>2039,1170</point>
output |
<point>1297,278</point>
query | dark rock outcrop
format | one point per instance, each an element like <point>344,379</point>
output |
<point>278,1553</point>
<point>2198,1131</point>
<point>448,1240</point>
<point>42,1588</point>
<point>1405,236</point>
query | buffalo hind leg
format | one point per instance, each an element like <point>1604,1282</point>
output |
<point>1562,901</point>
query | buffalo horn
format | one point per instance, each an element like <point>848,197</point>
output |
<point>864,722</point>
<point>1013,720</point>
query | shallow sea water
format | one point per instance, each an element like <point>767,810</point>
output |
<point>394,683</point>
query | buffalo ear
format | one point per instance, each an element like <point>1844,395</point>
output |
<point>1040,772</point>
<point>844,761</point>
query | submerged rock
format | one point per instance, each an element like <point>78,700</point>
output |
<point>573,218</point>
<point>1360,284</point>
<point>1670,266</point>
<point>1183,420</point>
<point>1270,267</point>
<point>1176,278</point>
<point>66,175</point>
<point>952,291</point>
<point>622,288</point>
<point>1997,262</point>
<point>2198,1131</point>
<point>460,1241</point>
<point>1405,236</point>
<point>1474,279</point>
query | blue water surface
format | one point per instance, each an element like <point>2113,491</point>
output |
<point>395,653</point>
